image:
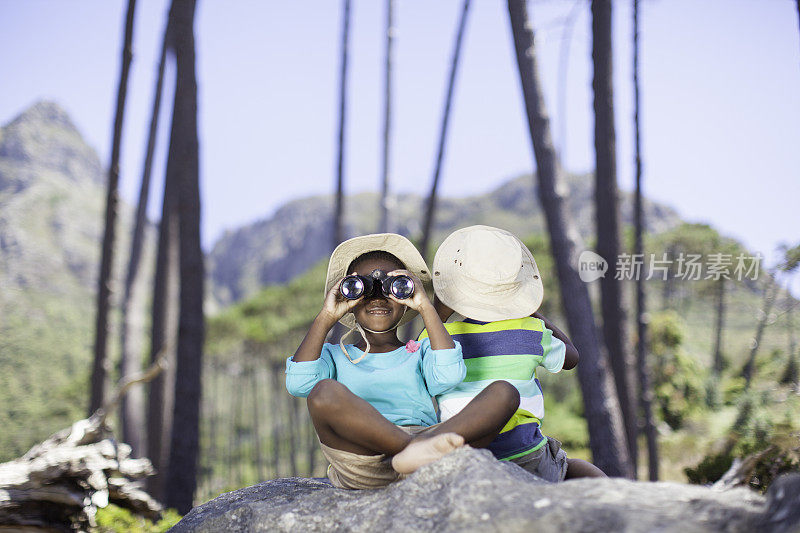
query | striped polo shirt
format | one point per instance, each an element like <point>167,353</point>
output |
<point>509,350</point>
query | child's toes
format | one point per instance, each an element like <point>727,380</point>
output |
<point>454,440</point>
<point>421,452</point>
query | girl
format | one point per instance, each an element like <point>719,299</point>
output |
<point>370,402</point>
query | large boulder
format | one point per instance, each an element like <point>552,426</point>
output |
<point>468,490</point>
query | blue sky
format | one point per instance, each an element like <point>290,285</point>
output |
<point>720,95</point>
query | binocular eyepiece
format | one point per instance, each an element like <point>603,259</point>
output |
<point>354,286</point>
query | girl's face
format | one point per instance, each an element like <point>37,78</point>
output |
<point>377,313</point>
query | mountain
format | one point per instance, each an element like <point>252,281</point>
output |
<point>297,235</point>
<point>52,203</point>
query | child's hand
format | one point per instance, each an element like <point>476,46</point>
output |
<point>419,299</point>
<point>336,305</point>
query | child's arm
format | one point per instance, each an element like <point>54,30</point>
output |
<point>309,364</point>
<point>334,308</point>
<point>419,301</point>
<point>571,356</point>
<point>443,368</point>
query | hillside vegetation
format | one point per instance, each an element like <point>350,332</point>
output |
<point>51,203</point>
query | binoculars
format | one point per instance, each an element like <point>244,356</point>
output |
<point>354,286</point>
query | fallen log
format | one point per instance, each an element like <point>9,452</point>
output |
<point>60,483</point>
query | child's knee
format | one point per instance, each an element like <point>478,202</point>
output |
<point>324,395</point>
<point>506,393</point>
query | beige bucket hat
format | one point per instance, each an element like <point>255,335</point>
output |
<point>395,244</point>
<point>487,274</point>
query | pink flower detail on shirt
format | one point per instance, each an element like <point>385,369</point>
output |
<point>412,346</point>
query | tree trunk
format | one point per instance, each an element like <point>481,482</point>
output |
<point>257,427</point>
<point>338,234</point>
<point>615,334</point>
<point>232,459</point>
<point>720,326</point>
<point>791,375</point>
<point>132,411</point>
<point>766,308</point>
<point>291,416</point>
<point>237,416</point>
<point>430,204</point>
<point>668,289</point>
<point>383,225</point>
<point>99,380</point>
<point>164,332</point>
<point>183,162</point>
<point>213,427</point>
<point>275,413</point>
<point>312,447</point>
<point>606,432</point>
<point>645,390</point>
<point>563,70</point>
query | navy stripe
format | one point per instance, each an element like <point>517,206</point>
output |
<point>506,342</point>
<point>473,321</point>
<point>521,438</point>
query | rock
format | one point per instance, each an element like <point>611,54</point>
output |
<point>783,505</point>
<point>468,490</point>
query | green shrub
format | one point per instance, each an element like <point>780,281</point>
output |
<point>732,390</point>
<point>677,379</point>
<point>115,519</point>
<point>764,439</point>
<point>710,469</point>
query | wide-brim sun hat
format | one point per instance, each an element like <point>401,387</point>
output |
<point>487,274</point>
<point>395,244</point>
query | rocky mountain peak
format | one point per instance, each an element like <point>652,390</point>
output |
<point>43,139</point>
<point>45,112</point>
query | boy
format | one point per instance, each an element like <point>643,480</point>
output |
<point>488,289</point>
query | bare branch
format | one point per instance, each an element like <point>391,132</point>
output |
<point>124,385</point>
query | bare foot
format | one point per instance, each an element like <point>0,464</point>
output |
<point>423,451</point>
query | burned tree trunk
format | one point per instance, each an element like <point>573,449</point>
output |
<point>99,367</point>
<point>383,225</point>
<point>606,431</point>
<point>791,374</point>
<point>643,371</point>
<point>430,204</point>
<point>277,425</point>
<point>163,336</point>
<point>615,335</point>
<point>338,233</point>
<point>183,163</point>
<point>132,409</point>
<point>720,326</point>
<point>770,291</point>
<point>256,425</point>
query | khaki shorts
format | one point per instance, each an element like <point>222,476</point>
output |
<point>353,471</point>
<point>548,462</point>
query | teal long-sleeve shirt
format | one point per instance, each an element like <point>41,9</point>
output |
<point>399,384</point>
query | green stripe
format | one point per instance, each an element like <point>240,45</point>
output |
<point>526,452</point>
<point>460,328</point>
<point>506,367</point>
<point>521,416</point>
